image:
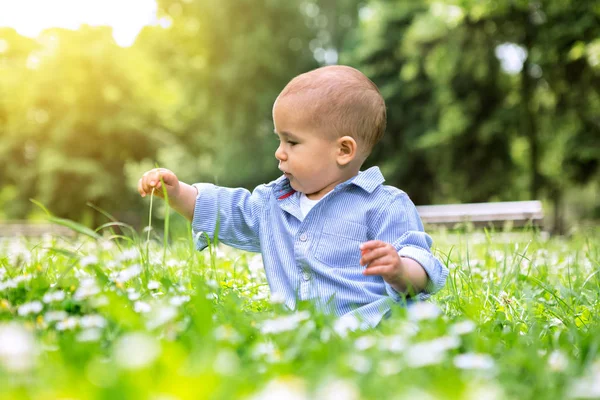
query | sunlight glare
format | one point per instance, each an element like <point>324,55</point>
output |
<point>127,18</point>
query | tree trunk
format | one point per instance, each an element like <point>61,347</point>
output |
<point>559,223</point>
<point>529,121</point>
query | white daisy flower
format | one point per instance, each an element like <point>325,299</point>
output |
<point>88,260</point>
<point>558,361</point>
<point>129,254</point>
<point>17,348</point>
<point>344,324</point>
<point>227,333</point>
<point>92,321</point>
<point>128,273</point>
<point>587,386</point>
<point>89,335</point>
<point>141,307</point>
<point>394,344</point>
<point>179,300</point>
<point>160,316</point>
<point>289,389</point>
<point>153,285</point>
<point>53,316</point>
<point>87,288</point>
<point>360,363</point>
<point>33,307</point>
<point>226,362</point>
<point>277,298</point>
<point>338,389</point>
<point>364,343</point>
<point>68,324</point>
<point>51,297</point>
<point>430,352</point>
<point>136,350</point>
<point>389,367</point>
<point>133,295</point>
<point>474,361</point>
<point>462,328</point>
<point>284,324</point>
<point>423,310</point>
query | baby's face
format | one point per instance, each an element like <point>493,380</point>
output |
<point>307,155</point>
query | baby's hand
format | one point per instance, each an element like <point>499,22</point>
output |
<point>151,180</point>
<point>381,259</point>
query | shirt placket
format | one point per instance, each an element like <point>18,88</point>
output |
<point>301,245</point>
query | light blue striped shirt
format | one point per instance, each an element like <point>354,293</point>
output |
<point>316,257</point>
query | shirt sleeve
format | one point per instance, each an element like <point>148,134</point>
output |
<point>232,215</point>
<point>400,224</point>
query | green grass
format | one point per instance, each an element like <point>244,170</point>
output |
<point>113,316</point>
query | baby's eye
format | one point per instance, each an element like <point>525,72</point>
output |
<point>292,143</point>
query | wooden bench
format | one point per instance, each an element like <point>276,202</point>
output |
<point>31,229</point>
<point>515,213</point>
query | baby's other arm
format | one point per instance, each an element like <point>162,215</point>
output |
<point>182,197</point>
<point>404,274</point>
<point>399,227</point>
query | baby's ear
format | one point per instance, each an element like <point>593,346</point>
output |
<point>347,149</point>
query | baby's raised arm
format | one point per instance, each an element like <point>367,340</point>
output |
<point>182,197</point>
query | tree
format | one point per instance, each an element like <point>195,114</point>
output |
<point>230,59</point>
<point>464,128</point>
<point>447,135</point>
<point>75,108</point>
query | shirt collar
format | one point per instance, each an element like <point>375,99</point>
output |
<point>282,188</point>
<point>368,180</point>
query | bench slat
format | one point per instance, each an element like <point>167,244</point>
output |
<point>10,229</point>
<point>519,212</point>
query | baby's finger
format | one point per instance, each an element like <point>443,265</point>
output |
<point>380,270</point>
<point>140,189</point>
<point>386,260</point>
<point>371,244</point>
<point>146,187</point>
<point>168,177</point>
<point>154,177</point>
<point>157,189</point>
<point>373,255</point>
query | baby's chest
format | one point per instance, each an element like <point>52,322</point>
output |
<point>338,242</point>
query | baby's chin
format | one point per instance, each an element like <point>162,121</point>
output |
<point>296,187</point>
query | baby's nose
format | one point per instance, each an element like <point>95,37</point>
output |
<point>280,154</point>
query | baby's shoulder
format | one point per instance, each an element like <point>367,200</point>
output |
<point>392,192</point>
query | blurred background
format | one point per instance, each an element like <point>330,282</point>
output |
<point>488,100</point>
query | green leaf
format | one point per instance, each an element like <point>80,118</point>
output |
<point>79,228</point>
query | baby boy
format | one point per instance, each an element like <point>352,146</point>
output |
<point>327,231</point>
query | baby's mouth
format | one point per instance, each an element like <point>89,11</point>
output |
<point>287,174</point>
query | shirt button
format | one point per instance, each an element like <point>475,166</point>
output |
<point>304,237</point>
<point>306,276</point>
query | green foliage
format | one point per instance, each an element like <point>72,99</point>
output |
<point>444,94</point>
<point>81,118</point>
<point>84,107</point>
<point>516,320</point>
<point>229,60</point>
<point>463,128</point>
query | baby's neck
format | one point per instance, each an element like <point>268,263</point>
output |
<point>346,175</point>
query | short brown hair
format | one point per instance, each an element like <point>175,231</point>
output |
<point>343,98</point>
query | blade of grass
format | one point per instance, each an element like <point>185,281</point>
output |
<point>166,224</point>
<point>40,205</point>
<point>74,226</point>
<point>149,228</point>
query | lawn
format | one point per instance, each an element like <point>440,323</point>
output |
<point>108,317</point>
